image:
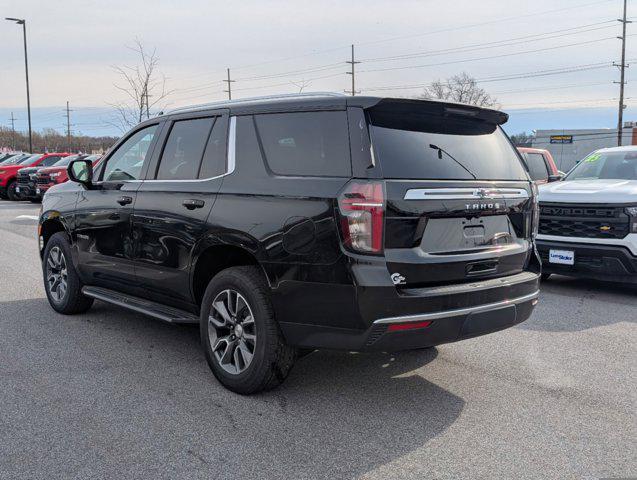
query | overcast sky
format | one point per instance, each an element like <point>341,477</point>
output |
<point>73,45</point>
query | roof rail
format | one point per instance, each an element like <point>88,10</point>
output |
<point>205,106</point>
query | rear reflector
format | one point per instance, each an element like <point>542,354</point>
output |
<point>397,327</point>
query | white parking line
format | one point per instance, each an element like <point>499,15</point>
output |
<point>27,217</point>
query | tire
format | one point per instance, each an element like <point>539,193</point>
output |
<point>57,264</point>
<point>545,276</point>
<point>11,193</point>
<point>250,329</point>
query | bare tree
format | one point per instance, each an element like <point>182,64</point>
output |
<point>462,88</point>
<point>522,139</point>
<point>143,86</point>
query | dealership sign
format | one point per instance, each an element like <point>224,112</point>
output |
<point>561,138</point>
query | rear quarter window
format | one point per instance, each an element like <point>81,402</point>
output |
<point>306,143</point>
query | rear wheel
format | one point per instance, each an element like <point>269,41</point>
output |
<point>241,339</point>
<point>61,281</point>
<point>11,193</point>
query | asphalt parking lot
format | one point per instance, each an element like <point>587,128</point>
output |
<point>114,394</point>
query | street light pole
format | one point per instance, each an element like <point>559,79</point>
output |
<point>23,22</point>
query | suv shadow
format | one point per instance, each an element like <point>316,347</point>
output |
<point>143,386</point>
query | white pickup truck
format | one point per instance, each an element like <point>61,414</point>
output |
<point>588,221</point>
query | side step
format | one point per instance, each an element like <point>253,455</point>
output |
<point>153,309</point>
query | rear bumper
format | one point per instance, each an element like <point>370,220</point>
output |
<point>456,312</point>
<point>600,262</point>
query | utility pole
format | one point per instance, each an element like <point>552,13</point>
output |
<point>352,62</point>
<point>228,81</point>
<point>23,22</point>
<point>147,106</point>
<point>13,119</point>
<point>622,82</point>
<point>68,127</point>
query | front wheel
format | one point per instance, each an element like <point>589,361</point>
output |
<point>11,193</point>
<point>61,281</point>
<point>241,339</point>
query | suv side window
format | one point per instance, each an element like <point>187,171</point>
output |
<point>306,143</point>
<point>537,166</point>
<point>184,149</point>
<point>214,158</point>
<point>127,161</point>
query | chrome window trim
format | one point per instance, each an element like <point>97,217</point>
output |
<point>464,193</point>
<point>230,158</point>
<point>457,312</point>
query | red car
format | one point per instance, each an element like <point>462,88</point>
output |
<point>540,164</point>
<point>47,177</point>
<point>9,171</point>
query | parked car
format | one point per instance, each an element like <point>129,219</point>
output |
<point>14,158</point>
<point>47,177</point>
<point>26,177</point>
<point>6,156</point>
<point>540,164</point>
<point>588,222</point>
<point>301,222</point>
<point>9,170</point>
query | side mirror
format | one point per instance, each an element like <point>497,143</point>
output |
<point>81,171</point>
<point>555,178</point>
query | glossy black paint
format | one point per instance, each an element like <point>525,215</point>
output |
<point>158,245</point>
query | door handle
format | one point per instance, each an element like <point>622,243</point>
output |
<point>191,204</point>
<point>124,200</point>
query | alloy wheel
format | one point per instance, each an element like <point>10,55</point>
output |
<point>232,331</point>
<point>56,274</point>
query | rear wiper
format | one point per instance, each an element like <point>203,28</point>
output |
<point>441,151</point>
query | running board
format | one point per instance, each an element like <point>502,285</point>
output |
<point>141,305</point>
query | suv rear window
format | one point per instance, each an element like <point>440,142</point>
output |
<point>306,143</point>
<point>426,146</point>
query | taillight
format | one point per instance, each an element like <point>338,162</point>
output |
<point>362,209</point>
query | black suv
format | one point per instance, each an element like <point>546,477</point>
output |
<point>301,222</point>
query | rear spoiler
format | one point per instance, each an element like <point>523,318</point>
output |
<point>400,106</point>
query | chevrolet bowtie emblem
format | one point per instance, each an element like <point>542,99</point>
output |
<point>605,228</point>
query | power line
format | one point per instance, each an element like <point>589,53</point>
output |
<point>480,24</point>
<point>498,43</point>
<point>513,76</point>
<point>490,57</point>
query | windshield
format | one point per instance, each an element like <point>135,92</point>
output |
<point>18,159</point>
<point>436,147</point>
<point>606,166</point>
<point>65,161</point>
<point>7,159</point>
<point>30,159</point>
